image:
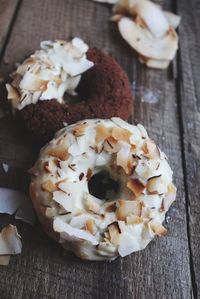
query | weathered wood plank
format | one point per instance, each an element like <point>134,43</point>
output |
<point>7,11</point>
<point>160,271</point>
<point>189,89</point>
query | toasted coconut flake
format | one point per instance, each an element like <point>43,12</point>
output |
<point>154,63</point>
<point>111,208</point>
<point>92,203</point>
<point>133,219</point>
<point>60,153</point>
<point>114,233</point>
<point>89,174</point>
<point>170,197</point>
<point>32,82</point>
<point>64,200</point>
<point>67,231</point>
<point>120,134</point>
<point>89,225</point>
<point>106,249</point>
<point>123,157</point>
<point>111,145</point>
<point>151,150</point>
<point>51,166</point>
<point>135,186</point>
<point>12,93</point>
<point>80,220</point>
<point>10,241</point>
<point>128,244</point>
<point>156,185</point>
<point>151,14</point>
<point>101,133</point>
<point>79,130</point>
<point>4,260</point>
<point>144,43</point>
<point>158,228</point>
<point>49,186</point>
<point>128,207</point>
<point>149,30</point>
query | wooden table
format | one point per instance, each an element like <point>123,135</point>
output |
<point>169,267</point>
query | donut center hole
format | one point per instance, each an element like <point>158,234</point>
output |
<point>103,186</point>
<point>72,99</point>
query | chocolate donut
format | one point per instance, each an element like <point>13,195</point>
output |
<point>102,188</point>
<point>104,91</point>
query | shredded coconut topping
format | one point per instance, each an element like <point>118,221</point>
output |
<point>48,73</point>
<point>94,228</point>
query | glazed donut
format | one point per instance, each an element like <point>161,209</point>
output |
<point>37,91</point>
<point>101,188</point>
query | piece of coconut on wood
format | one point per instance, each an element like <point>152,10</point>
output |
<point>10,244</point>
<point>149,30</point>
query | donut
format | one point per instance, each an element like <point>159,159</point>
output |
<point>101,188</point>
<point>41,82</point>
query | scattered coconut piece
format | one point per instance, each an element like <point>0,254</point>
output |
<point>12,201</point>
<point>10,241</point>
<point>149,30</point>
<point>144,43</point>
<point>4,260</point>
<point>150,14</point>
<point>5,167</point>
<point>154,63</point>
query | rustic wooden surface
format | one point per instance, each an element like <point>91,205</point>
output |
<point>7,15</point>
<point>169,267</point>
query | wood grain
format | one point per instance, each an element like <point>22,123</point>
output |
<point>162,270</point>
<point>7,11</point>
<point>189,92</point>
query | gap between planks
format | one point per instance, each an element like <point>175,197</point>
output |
<point>184,159</point>
<point>10,9</point>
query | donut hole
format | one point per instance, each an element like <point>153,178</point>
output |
<point>73,99</point>
<point>103,186</point>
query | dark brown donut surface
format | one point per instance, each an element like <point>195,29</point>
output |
<point>104,91</point>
